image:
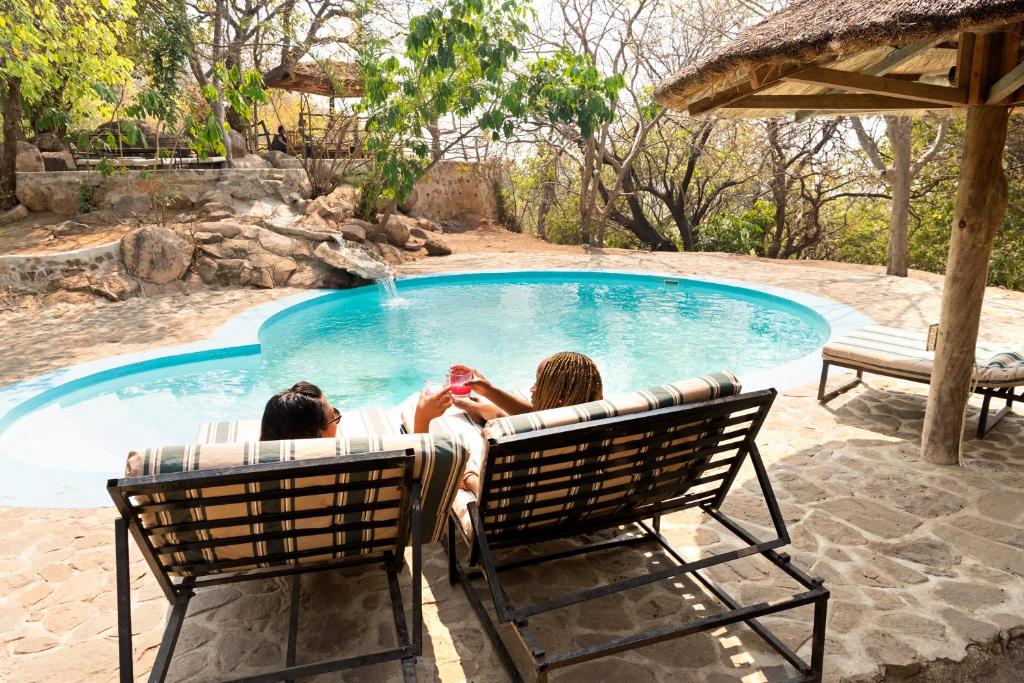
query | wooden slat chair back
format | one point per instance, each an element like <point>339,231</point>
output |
<point>209,527</point>
<point>616,470</point>
<point>559,483</point>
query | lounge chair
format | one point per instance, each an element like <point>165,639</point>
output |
<point>898,353</point>
<point>562,473</point>
<point>209,514</point>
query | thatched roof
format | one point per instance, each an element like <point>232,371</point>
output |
<point>331,79</point>
<point>830,31</point>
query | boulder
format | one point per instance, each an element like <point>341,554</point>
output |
<point>78,282</point>
<point>59,161</point>
<point>305,233</point>
<point>274,243</point>
<point>419,233</point>
<point>437,248</point>
<point>304,276</point>
<point>337,206</point>
<point>352,259</point>
<point>215,196</point>
<point>156,254</point>
<point>281,160</point>
<point>136,133</point>
<point>33,197</point>
<point>29,160</point>
<point>50,142</point>
<point>115,287</point>
<point>283,269</point>
<point>16,214</point>
<point>249,161</point>
<point>397,231</point>
<point>239,147</point>
<point>262,278</point>
<point>225,228</point>
<point>68,228</point>
<point>413,245</point>
<point>391,254</point>
<point>352,232</point>
<point>206,269</point>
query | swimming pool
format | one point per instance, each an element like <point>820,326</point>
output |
<point>63,434</point>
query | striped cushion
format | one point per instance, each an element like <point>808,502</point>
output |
<point>361,422</point>
<point>900,353</point>
<point>440,459</point>
<point>717,385</point>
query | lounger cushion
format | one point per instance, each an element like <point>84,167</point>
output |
<point>900,353</point>
<point>440,459</point>
<point>717,385</point>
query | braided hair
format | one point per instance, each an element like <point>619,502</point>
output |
<point>566,379</point>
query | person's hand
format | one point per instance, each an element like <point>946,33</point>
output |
<point>430,406</point>
<point>477,381</point>
<point>480,411</point>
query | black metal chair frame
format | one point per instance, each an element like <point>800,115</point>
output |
<point>985,423</point>
<point>717,428</point>
<point>180,592</point>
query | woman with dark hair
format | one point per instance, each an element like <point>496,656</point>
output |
<point>280,141</point>
<point>302,412</point>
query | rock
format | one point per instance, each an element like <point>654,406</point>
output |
<point>420,233</point>
<point>872,517</point>
<point>338,206</point>
<point>410,201</point>
<point>391,254</point>
<point>428,225</point>
<point>413,245</point>
<point>206,268</point>
<point>29,160</point>
<point>59,161</point>
<point>437,248</point>
<point>283,270</point>
<point>135,133</point>
<point>262,278</point>
<point>64,200</point>
<point>34,197</point>
<point>156,254</point>
<point>352,259</point>
<point>229,249</point>
<point>71,228</point>
<point>304,233</point>
<point>249,161</point>
<point>218,215</point>
<point>116,287</point>
<point>281,160</point>
<point>50,142</point>
<point>215,196</point>
<point>225,228</point>
<point>239,147</point>
<point>274,243</point>
<point>377,235</point>
<point>970,595</point>
<point>75,283</point>
<point>304,276</point>
<point>353,232</point>
<point>16,214</point>
<point>397,232</point>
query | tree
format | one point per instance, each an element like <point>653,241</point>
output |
<point>48,45</point>
<point>461,59</point>
<point>900,175</point>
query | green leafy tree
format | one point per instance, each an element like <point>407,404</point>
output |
<point>51,45</point>
<point>461,59</point>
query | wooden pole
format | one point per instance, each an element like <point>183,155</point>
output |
<point>980,205</point>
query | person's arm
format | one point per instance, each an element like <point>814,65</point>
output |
<point>428,407</point>
<point>510,403</point>
<point>480,411</point>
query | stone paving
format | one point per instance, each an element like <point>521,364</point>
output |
<point>921,560</point>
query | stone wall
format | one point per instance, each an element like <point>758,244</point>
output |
<point>37,271</point>
<point>134,192</point>
<point>458,191</point>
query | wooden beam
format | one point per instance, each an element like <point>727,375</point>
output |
<point>761,79</point>
<point>849,80</point>
<point>844,103</point>
<point>1014,78</point>
<point>981,201</point>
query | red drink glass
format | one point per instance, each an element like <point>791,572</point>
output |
<point>457,383</point>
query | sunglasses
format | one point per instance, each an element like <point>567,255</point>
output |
<point>337,417</point>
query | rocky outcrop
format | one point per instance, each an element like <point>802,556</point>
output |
<point>29,160</point>
<point>156,254</point>
<point>351,258</point>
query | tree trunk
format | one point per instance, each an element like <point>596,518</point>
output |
<point>547,200</point>
<point>586,193</point>
<point>980,205</point>
<point>11,91</point>
<point>899,130</point>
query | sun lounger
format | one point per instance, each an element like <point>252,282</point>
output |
<point>898,353</point>
<point>559,474</point>
<point>209,514</point>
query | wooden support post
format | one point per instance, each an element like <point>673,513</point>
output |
<point>980,205</point>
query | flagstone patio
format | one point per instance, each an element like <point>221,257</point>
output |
<point>921,560</point>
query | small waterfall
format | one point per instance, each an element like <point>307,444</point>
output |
<point>388,288</point>
<point>371,269</point>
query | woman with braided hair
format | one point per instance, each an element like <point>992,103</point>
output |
<point>564,379</point>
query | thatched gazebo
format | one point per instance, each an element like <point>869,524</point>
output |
<point>330,79</point>
<point>864,57</point>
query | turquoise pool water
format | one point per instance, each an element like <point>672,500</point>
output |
<point>365,350</point>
